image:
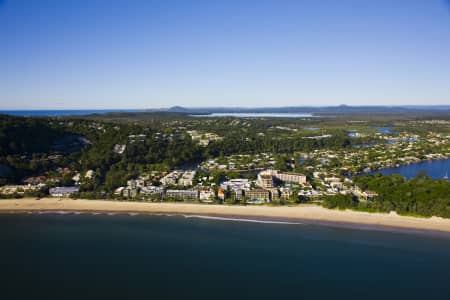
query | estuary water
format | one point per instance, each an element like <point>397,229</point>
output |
<point>256,115</point>
<point>50,256</point>
<point>436,169</point>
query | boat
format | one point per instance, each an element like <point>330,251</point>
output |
<point>446,176</point>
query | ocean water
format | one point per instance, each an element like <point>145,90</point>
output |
<point>50,256</point>
<point>57,113</point>
<point>436,169</point>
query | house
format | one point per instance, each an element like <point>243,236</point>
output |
<point>220,194</point>
<point>119,149</point>
<point>369,195</point>
<point>119,191</point>
<point>89,174</point>
<point>64,191</point>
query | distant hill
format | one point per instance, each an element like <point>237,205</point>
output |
<point>178,109</point>
<point>311,109</point>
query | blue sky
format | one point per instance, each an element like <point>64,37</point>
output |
<point>144,54</point>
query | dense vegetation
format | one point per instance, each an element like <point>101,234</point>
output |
<point>421,196</point>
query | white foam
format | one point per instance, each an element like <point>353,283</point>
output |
<point>241,220</point>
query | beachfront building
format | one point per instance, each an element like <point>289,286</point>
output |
<point>258,194</point>
<point>221,194</point>
<point>119,191</point>
<point>152,190</point>
<point>207,195</point>
<point>265,180</point>
<point>237,186</point>
<point>19,189</point>
<point>274,194</point>
<point>64,191</point>
<point>285,193</point>
<point>182,194</point>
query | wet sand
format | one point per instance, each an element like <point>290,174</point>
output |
<point>312,213</point>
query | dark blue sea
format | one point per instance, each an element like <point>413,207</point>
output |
<point>50,256</point>
<point>57,113</point>
<point>436,169</point>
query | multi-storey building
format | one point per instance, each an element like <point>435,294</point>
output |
<point>260,194</point>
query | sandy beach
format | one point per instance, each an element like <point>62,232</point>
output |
<point>304,212</point>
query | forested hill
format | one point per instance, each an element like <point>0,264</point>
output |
<point>26,135</point>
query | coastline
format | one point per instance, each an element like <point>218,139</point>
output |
<point>307,213</point>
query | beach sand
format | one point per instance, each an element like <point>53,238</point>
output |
<point>296,213</point>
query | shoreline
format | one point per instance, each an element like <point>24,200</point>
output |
<point>309,214</point>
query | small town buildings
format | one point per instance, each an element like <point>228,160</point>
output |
<point>64,191</point>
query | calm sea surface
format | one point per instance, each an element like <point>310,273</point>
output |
<point>160,257</point>
<point>55,113</point>
<point>436,169</point>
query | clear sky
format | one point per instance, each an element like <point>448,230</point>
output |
<point>146,54</point>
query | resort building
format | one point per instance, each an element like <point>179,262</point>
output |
<point>171,178</point>
<point>236,185</point>
<point>259,194</point>
<point>19,189</point>
<point>182,193</point>
<point>290,177</point>
<point>187,179</point>
<point>207,195</point>
<point>286,193</point>
<point>282,176</point>
<point>265,180</point>
<point>64,191</point>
